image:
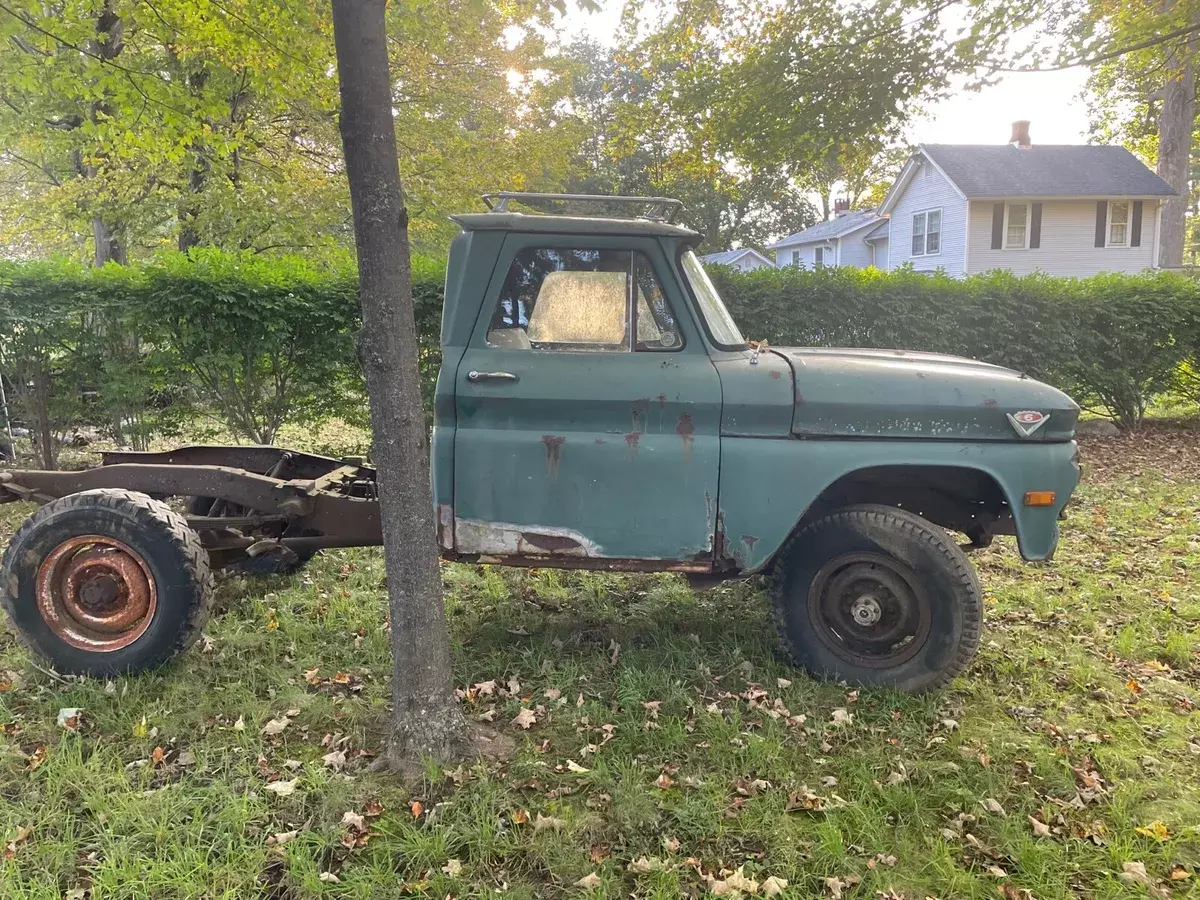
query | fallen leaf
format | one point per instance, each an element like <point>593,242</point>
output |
<point>1156,830</point>
<point>276,726</point>
<point>68,718</point>
<point>453,867</point>
<point>541,823</point>
<point>329,878</point>
<point>1134,873</point>
<point>23,833</point>
<point>992,805</point>
<point>354,820</point>
<point>283,788</point>
<point>283,837</point>
<point>736,883</point>
<point>1179,873</point>
<point>573,766</point>
<point>614,650</point>
<point>663,781</point>
<point>525,718</point>
<point>996,872</point>
<point>773,886</point>
<point>1134,686</point>
<point>840,717</point>
<point>519,816</point>
<point>553,693</point>
<point>647,864</point>
<point>335,760</point>
<point>589,881</point>
<point>1040,828</point>
<point>312,676</point>
<point>239,725</point>
<point>36,758</point>
<point>416,808</point>
<point>157,755</point>
<point>783,683</point>
<point>671,845</point>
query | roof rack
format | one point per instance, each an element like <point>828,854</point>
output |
<point>660,209</point>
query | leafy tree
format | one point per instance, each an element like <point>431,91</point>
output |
<point>130,127</point>
<point>626,150</point>
<point>813,91</point>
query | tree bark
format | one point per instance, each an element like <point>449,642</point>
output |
<point>108,44</point>
<point>425,717</point>
<point>1176,122</point>
<point>41,415</point>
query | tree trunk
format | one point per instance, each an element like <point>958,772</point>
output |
<point>107,45</point>
<point>1176,121</point>
<point>425,716</point>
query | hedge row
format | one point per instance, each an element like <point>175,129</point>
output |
<point>1112,341</point>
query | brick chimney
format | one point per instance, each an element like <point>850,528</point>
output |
<point>841,207</point>
<point>1020,135</point>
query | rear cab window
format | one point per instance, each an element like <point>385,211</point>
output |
<point>587,300</point>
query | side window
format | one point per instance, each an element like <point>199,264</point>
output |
<point>574,299</point>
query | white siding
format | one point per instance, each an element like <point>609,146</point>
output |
<point>1067,245</point>
<point>853,250</point>
<point>749,263</point>
<point>929,192</point>
<point>880,258</point>
<point>783,256</point>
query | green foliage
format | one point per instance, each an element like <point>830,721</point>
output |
<point>270,340</point>
<point>1112,341</point>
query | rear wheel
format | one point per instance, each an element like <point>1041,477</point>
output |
<point>106,581</point>
<point>875,595</point>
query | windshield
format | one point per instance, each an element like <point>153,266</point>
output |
<point>721,327</point>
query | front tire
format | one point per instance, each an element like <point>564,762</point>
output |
<point>875,595</point>
<point>106,581</point>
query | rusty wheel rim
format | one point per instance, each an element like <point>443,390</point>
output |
<point>95,593</point>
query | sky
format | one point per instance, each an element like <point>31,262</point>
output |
<point>1049,100</point>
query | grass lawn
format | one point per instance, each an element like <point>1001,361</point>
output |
<point>671,754</point>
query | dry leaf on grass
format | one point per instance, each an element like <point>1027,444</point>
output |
<point>453,867</point>
<point>69,718</point>
<point>647,864</point>
<point>354,820</point>
<point>335,760</point>
<point>541,823</point>
<point>589,881</point>
<point>1040,828</point>
<point>573,766</point>
<point>773,886</point>
<point>276,726</point>
<point>283,788</point>
<point>734,884</point>
<point>329,878</point>
<point>525,718</point>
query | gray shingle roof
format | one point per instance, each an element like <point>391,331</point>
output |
<point>824,231</point>
<point>1046,170</point>
<point>882,230</point>
<point>725,257</point>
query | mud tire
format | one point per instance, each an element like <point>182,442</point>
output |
<point>171,553</point>
<point>943,585</point>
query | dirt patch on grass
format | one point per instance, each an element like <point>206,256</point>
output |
<point>1166,447</point>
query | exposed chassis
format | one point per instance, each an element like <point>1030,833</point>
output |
<point>268,499</point>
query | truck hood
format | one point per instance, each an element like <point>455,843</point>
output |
<point>906,394</point>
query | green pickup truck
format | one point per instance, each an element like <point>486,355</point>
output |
<point>597,407</point>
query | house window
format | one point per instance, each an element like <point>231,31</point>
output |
<point>1118,223</point>
<point>819,257</point>
<point>1016,228</point>
<point>927,233</point>
<point>796,258</point>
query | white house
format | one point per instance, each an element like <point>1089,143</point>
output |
<point>838,242</point>
<point>966,208</point>
<point>745,260</point>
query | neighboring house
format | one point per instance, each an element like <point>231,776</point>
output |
<point>1058,209</point>
<point>744,260</point>
<point>838,242</point>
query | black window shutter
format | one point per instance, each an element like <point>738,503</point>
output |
<point>1035,227</point>
<point>1135,227</point>
<point>997,226</point>
<point>1101,222</point>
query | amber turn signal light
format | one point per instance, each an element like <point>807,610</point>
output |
<point>1039,498</point>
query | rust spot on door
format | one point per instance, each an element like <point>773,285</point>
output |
<point>632,440</point>
<point>989,402</point>
<point>662,400</point>
<point>553,453</point>
<point>686,429</point>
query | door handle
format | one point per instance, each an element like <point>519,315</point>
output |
<point>474,376</point>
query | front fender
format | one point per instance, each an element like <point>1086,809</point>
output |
<point>767,484</point>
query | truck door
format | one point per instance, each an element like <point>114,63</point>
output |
<point>588,412</point>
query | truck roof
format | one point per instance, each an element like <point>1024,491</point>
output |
<point>551,224</point>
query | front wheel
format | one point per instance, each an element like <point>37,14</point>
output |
<point>875,595</point>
